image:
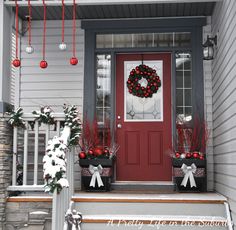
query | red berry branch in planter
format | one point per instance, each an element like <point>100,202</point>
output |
<point>96,143</point>
<point>191,142</point>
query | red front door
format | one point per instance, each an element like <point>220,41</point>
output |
<point>143,124</point>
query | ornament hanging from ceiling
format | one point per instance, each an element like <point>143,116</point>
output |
<point>16,61</point>
<point>74,60</point>
<point>43,63</point>
<point>29,49</point>
<point>62,46</point>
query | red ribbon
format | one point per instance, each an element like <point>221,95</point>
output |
<point>74,26</point>
<point>29,23</point>
<point>17,27</point>
<point>63,21</point>
<point>44,29</point>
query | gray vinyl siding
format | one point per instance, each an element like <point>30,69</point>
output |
<point>58,84</point>
<point>224,100</point>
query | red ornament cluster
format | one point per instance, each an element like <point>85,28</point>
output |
<point>140,72</point>
<point>96,152</point>
<point>190,155</point>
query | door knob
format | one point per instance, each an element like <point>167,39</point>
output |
<point>119,126</point>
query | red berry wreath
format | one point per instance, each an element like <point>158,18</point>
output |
<point>146,74</point>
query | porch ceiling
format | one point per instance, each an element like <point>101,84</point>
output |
<point>123,11</point>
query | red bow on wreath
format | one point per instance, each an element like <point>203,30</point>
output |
<point>140,72</point>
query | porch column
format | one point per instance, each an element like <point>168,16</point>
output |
<point>5,56</point>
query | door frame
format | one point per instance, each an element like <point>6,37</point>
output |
<point>192,25</point>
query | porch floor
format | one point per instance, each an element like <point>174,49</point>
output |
<point>119,196</point>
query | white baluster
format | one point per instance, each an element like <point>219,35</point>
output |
<point>47,134</point>
<point>14,166</point>
<point>25,164</point>
<point>36,152</point>
<point>58,128</point>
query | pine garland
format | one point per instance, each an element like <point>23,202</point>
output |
<point>72,120</point>
<point>44,116</point>
<point>16,118</point>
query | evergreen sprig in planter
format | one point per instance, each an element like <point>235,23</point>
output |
<point>190,173</point>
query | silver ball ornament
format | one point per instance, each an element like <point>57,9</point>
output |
<point>183,156</point>
<point>62,46</point>
<point>29,49</point>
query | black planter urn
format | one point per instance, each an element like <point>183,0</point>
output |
<point>96,174</point>
<point>189,175</point>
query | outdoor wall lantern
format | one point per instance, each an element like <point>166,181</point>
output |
<point>208,48</point>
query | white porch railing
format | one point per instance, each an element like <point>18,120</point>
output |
<point>28,150</point>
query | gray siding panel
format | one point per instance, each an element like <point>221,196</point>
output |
<point>224,100</point>
<point>60,83</point>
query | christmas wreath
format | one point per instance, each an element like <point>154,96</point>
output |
<point>143,81</point>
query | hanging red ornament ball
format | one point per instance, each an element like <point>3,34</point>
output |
<point>195,155</point>
<point>43,64</point>
<point>73,61</point>
<point>90,152</point>
<point>82,155</point>
<point>16,62</point>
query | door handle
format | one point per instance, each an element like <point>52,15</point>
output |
<point>119,126</point>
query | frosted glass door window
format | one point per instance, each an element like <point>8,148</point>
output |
<point>143,109</point>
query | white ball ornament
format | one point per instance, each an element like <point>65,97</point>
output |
<point>183,156</point>
<point>29,49</point>
<point>62,46</point>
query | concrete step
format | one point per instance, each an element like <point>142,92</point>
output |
<point>124,222</point>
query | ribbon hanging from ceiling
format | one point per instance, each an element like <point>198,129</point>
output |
<point>16,62</point>
<point>62,46</point>
<point>29,49</point>
<point>43,63</point>
<point>74,60</point>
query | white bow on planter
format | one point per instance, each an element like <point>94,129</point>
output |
<point>188,171</point>
<point>96,175</point>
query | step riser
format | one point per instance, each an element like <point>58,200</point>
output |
<point>105,208</point>
<point>105,226</point>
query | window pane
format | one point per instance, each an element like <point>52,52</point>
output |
<point>122,40</point>
<point>103,102</point>
<point>179,79</point>
<point>104,40</point>
<point>168,39</point>
<point>182,39</point>
<point>179,97</point>
<point>143,40</point>
<point>183,86</point>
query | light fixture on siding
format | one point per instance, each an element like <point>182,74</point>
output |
<point>62,46</point>
<point>29,49</point>
<point>208,48</point>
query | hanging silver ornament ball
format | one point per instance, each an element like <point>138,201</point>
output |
<point>29,49</point>
<point>62,46</point>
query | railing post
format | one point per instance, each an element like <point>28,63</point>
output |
<point>36,152</point>
<point>14,156</point>
<point>25,160</point>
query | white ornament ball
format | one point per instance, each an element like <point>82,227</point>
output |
<point>183,155</point>
<point>62,46</point>
<point>29,49</point>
